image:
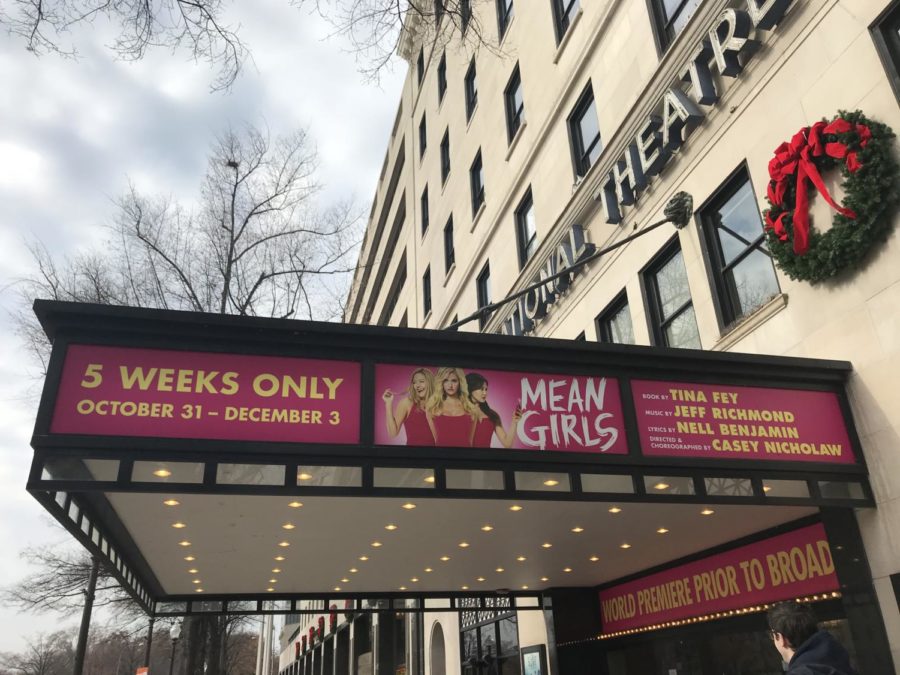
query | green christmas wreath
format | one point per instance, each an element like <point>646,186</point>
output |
<point>862,149</point>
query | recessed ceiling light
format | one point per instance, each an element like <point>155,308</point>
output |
<point>376,544</point>
<point>577,529</point>
<point>499,569</point>
<point>184,543</point>
<point>409,506</point>
<point>345,580</point>
<point>273,581</point>
<point>353,570</point>
<point>276,570</point>
<point>390,527</point>
<point>270,589</point>
<point>615,509</point>
<point>364,558</point>
<point>661,486</point>
<point>178,526</point>
<point>415,580</point>
<point>487,528</point>
<point>480,579</point>
<point>567,569</point>
<point>429,479</point>
<point>175,502</point>
<point>428,569</point>
<point>545,579</point>
<point>524,588</point>
<point>288,526</point>
<point>625,545</point>
<point>304,476</point>
<point>337,588</point>
<point>707,512</point>
<point>593,558</point>
<point>189,558</point>
<point>464,544</point>
<point>662,530</point>
<point>551,482</point>
<point>403,588</point>
<point>284,544</point>
<point>195,581</point>
<point>521,558</point>
<point>193,570</point>
<point>445,558</point>
<point>279,558</point>
<point>162,473</point>
<point>516,507</point>
<point>295,505</point>
<point>465,588</point>
<point>546,544</point>
<point>198,590</point>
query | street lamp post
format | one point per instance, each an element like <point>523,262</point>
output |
<point>175,634</point>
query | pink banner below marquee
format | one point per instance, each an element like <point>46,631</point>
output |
<point>676,419</point>
<point>533,411</point>
<point>791,565</point>
<point>116,391</point>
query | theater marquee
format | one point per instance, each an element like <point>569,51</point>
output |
<point>125,391</point>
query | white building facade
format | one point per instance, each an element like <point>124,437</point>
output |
<point>554,126</point>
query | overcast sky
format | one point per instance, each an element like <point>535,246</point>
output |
<point>74,132</point>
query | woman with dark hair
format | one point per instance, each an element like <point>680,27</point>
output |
<point>488,422</point>
<point>410,412</point>
<point>451,412</point>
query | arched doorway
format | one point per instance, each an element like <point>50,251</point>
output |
<point>438,655</point>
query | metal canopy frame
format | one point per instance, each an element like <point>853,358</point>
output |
<point>81,506</point>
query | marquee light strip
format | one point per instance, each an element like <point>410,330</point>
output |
<point>700,619</point>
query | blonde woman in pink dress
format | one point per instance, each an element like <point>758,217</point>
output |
<point>450,411</point>
<point>410,411</point>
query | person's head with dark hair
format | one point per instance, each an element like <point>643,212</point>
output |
<point>791,624</point>
<point>477,385</point>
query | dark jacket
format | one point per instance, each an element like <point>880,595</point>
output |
<point>820,655</point>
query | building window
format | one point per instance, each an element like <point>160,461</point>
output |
<point>614,322</point>
<point>886,33</point>
<point>504,16</point>
<point>471,90</point>
<point>423,203</point>
<point>739,262</point>
<point>476,181</point>
<point>449,252</point>
<point>670,17</point>
<point>483,292</point>
<point>445,156</point>
<point>426,291</point>
<point>420,66</point>
<point>465,14</point>
<point>672,320</point>
<point>584,133</point>
<point>442,77</point>
<point>564,12</point>
<point>489,637</point>
<point>515,104</point>
<point>526,231</point>
<point>423,137</point>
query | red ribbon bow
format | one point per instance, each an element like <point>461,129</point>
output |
<point>796,159</point>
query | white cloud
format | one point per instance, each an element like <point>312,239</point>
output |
<point>20,167</point>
